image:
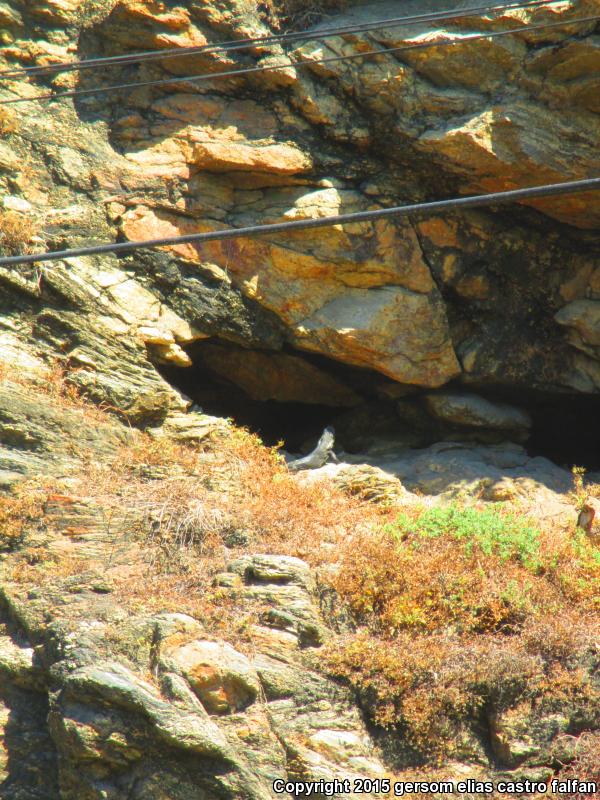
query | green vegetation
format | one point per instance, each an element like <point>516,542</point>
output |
<point>489,531</point>
<point>463,612</point>
<point>459,614</point>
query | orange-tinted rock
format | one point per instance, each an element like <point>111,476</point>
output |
<point>370,312</point>
<point>223,679</point>
<point>277,376</point>
<point>441,231</point>
<point>280,159</point>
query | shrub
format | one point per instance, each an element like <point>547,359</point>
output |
<point>18,510</point>
<point>16,233</point>
<point>476,571</point>
<point>8,122</point>
<point>574,566</point>
<point>431,687</point>
<point>461,610</point>
<point>579,491</point>
<point>585,767</point>
<point>183,503</point>
<point>489,531</point>
<point>282,514</point>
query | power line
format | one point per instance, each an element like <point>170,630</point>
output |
<point>474,201</point>
<point>298,64</point>
<point>243,44</point>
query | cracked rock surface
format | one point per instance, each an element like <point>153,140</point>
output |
<point>103,701</point>
<point>504,296</point>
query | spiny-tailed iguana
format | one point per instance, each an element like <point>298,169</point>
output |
<point>319,456</point>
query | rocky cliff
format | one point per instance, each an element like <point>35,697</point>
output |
<point>491,299</point>
<point>450,351</point>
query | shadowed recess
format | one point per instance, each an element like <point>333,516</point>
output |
<point>289,396</point>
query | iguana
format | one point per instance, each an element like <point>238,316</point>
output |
<point>319,456</point>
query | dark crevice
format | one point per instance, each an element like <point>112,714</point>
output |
<point>368,409</point>
<point>566,426</point>
<point>293,423</point>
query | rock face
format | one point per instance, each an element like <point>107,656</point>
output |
<point>100,700</point>
<point>410,319</point>
<point>476,412</point>
<point>222,678</point>
<point>481,295</point>
<point>501,472</point>
<point>212,722</point>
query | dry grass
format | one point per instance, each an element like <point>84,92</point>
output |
<point>56,383</point>
<point>455,619</point>
<point>222,615</point>
<point>440,574</point>
<point>430,687</point>
<point>585,767</point>
<point>37,566</point>
<point>8,122</point>
<point>19,511</point>
<point>16,233</point>
<point>182,505</point>
<point>297,14</point>
<point>58,387</point>
<point>286,517</point>
<point>190,497</point>
<point>234,492</point>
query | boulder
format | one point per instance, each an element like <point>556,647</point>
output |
<point>473,411</point>
<point>221,677</point>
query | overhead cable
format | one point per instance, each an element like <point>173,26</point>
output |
<point>420,209</point>
<point>282,38</point>
<point>298,64</point>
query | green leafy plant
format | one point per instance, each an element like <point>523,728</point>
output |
<point>463,610</point>
<point>490,531</point>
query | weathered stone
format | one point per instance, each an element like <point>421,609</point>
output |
<point>474,411</point>
<point>521,737</point>
<point>583,317</point>
<point>20,665</point>
<point>100,701</point>
<point>370,483</point>
<point>40,436</point>
<point>222,678</point>
<point>411,338</point>
<point>275,376</point>
<point>117,686</point>
<point>278,159</point>
<point>453,469</point>
<point>191,428</point>
<point>400,331</point>
<point>274,569</point>
<point>363,294</point>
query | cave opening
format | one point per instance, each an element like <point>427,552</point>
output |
<point>566,430</point>
<point>565,426</point>
<point>296,423</point>
<point>277,396</point>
